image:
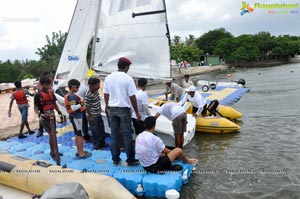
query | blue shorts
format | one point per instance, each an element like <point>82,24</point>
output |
<point>24,113</point>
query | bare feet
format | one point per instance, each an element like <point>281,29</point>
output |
<point>192,161</point>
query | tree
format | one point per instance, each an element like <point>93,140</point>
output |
<point>176,40</point>
<point>265,43</point>
<point>51,52</point>
<point>208,41</point>
<point>190,40</point>
<point>182,52</point>
<point>9,72</point>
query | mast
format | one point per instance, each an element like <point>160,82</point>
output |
<point>95,38</point>
<point>168,35</point>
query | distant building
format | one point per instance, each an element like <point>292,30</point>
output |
<point>211,60</point>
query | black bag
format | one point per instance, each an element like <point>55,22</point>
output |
<point>68,190</point>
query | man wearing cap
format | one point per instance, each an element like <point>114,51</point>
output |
<point>119,95</point>
<point>198,102</point>
<point>175,90</point>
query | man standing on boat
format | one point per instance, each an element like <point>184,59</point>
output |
<point>119,95</point>
<point>198,102</point>
<point>177,115</point>
<point>175,90</point>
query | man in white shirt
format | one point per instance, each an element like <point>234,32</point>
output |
<point>142,105</point>
<point>177,115</point>
<point>153,155</point>
<point>175,90</point>
<point>198,102</point>
<point>187,82</point>
<point>119,95</point>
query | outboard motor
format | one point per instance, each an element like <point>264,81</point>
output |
<point>70,190</point>
<point>213,86</point>
<point>242,82</point>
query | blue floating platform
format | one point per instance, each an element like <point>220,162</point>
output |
<point>100,162</point>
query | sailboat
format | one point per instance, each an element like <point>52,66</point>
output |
<point>136,29</point>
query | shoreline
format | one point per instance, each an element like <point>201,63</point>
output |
<point>11,127</point>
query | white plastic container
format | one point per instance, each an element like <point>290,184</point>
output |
<point>172,194</point>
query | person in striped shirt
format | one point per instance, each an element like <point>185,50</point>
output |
<point>93,109</point>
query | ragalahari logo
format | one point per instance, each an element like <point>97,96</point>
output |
<point>246,8</point>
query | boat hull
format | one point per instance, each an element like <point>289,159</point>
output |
<point>27,175</point>
<point>215,125</point>
<point>210,124</point>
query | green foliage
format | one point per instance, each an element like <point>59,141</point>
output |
<point>49,58</point>
<point>186,50</point>
<point>258,47</point>
<point>208,41</point>
<point>9,72</point>
<point>51,52</point>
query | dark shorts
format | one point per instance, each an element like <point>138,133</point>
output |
<point>203,112</point>
<point>46,124</point>
<point>162,164</point>
<point>179,124</point>
<point>24,113</point>
<point>77,126</point>
<point>139,126</point>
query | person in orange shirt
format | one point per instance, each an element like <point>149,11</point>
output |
<point>20,95</point>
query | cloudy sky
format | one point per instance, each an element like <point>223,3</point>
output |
<point>24,23</point>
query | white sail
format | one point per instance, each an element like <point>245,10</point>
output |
<point>142,39</point>
<point>73,64</point>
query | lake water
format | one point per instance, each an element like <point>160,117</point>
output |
<point>262,160</point>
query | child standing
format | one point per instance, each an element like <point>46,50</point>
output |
<point>20,96</point>
<point>44,105</point>
<point>93,109</point>
<point>75,107</point>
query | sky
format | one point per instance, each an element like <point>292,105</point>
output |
<point>25,23</point>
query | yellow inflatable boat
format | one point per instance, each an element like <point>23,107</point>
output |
<point>225,111</point>
<point>209,124</point>
<point>36,177</point>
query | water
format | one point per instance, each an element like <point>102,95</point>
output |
<point>262,161</point>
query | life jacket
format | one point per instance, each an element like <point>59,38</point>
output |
<point>20,97</point>
<point>68,104</point>
<point>47,100</point>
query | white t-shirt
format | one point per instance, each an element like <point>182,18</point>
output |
<point>148,148</point>
<point>120,86</point>
<point>197,101</point>
<point>187,84</point>
<point>171,110</point>
<point>175,89</point>
<point>141,98</point>
<point>82,90</point>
